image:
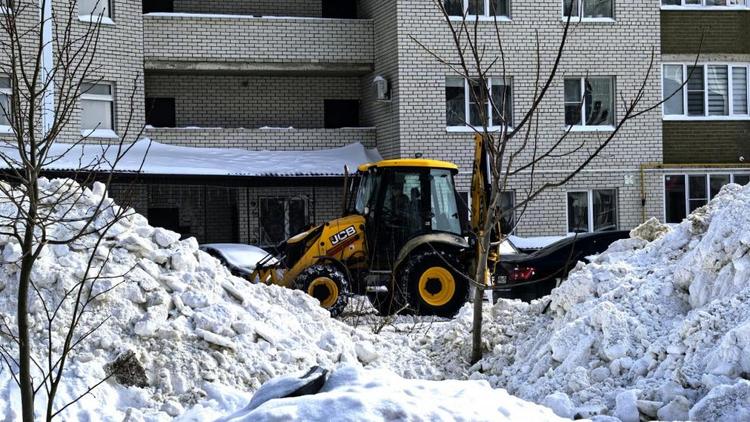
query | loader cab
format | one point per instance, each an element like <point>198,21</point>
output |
<point>401,199</point>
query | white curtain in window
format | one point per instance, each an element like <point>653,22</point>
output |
<point>96,114</point>
<point>94,8</point>
<point>598,8</point>
<point>672,84</point>
<point>718,91</point>
<point>739,90</point>
<point>4,101</point>
<point>695,91</point>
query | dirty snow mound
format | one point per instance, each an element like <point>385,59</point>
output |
<point>657,329</point>
<point>174,321</point>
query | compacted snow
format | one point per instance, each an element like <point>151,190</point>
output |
<point>656,327</point>
<point>197,331</point>
<point>355,394</point>
<point>650,329</point>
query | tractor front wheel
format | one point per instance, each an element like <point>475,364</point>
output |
<point>435,284</point>
<point>325,283</point>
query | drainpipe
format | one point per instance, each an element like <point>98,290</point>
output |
<point>688,166</point>
<point>48,98</point>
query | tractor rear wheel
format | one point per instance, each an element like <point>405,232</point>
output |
<point>389,302</point>
<point>326,283</point>
<point>435,285</point>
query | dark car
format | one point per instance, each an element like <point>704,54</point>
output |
<point>531,276</point>
<point>238,257</point>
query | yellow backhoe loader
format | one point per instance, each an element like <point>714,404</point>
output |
<point>403,240</point>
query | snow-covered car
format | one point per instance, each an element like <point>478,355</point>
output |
<point>240,258</point>
<point>529,276</point>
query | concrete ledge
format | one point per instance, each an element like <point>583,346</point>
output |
<point>249,68</point>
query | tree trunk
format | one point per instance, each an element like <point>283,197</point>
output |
<point>481,279</point>
<point>27,388</point>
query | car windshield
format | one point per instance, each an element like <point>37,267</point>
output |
<point>239,255</point>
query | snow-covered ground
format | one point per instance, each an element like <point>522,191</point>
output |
<point>650,329</point>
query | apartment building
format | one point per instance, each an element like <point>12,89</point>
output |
<point>304,75</point>
<point>706,124</point>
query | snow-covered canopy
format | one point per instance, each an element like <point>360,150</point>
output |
<point>162,159</point>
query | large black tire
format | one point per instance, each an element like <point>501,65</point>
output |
<point>326,283</point>
<point>390,302</point>
<point>434,283</point>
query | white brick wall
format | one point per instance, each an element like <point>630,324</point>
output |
<point>258,40</point>
<point>251,101</point>
<point>307,8</point>
<point>621,49</point>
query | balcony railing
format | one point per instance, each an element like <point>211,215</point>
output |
<point>175,42</point>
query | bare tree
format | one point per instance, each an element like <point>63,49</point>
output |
<point>49,59</point>
<point>513,150</point>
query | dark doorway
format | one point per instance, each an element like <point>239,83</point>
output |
<point>167,218</point>
<point>340,9</point>
<point>341,113</point>
<point>160,112</point>
<point>154,6</point>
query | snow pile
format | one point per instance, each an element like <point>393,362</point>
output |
<point>173,320</point>
<point>656,329</point>
<point>355,394</point>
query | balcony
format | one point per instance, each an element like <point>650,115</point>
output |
<point>241,44</point>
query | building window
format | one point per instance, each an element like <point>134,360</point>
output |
<point>684,193</point>
<point>589,9</point>
<point>589,102</point>
<point>460,102</point>
<point>481,8</point>
<point>507,208</point>
<point>97,110</point>
<point>340,113</point>
<point>5,93</point>
<point>712,91</point>
<point>158,6</point>
<point>160,112</point>
<point>703,3</point>
<point>95,9</point>
<point>281,218</point>
<point>593,210</point>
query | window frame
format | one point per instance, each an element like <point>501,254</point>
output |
<point>104,20</point>
<point>467,126</point>
<point>581,18</point>
<point>6,129</point>
<point>590,209</point>
<point>583,127</point>
<point>731,115</point>
<point>704,7</point>
<point>686,180</point>
<point>99,132</point>
<point>486,16</point>
<point>287,221</point>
